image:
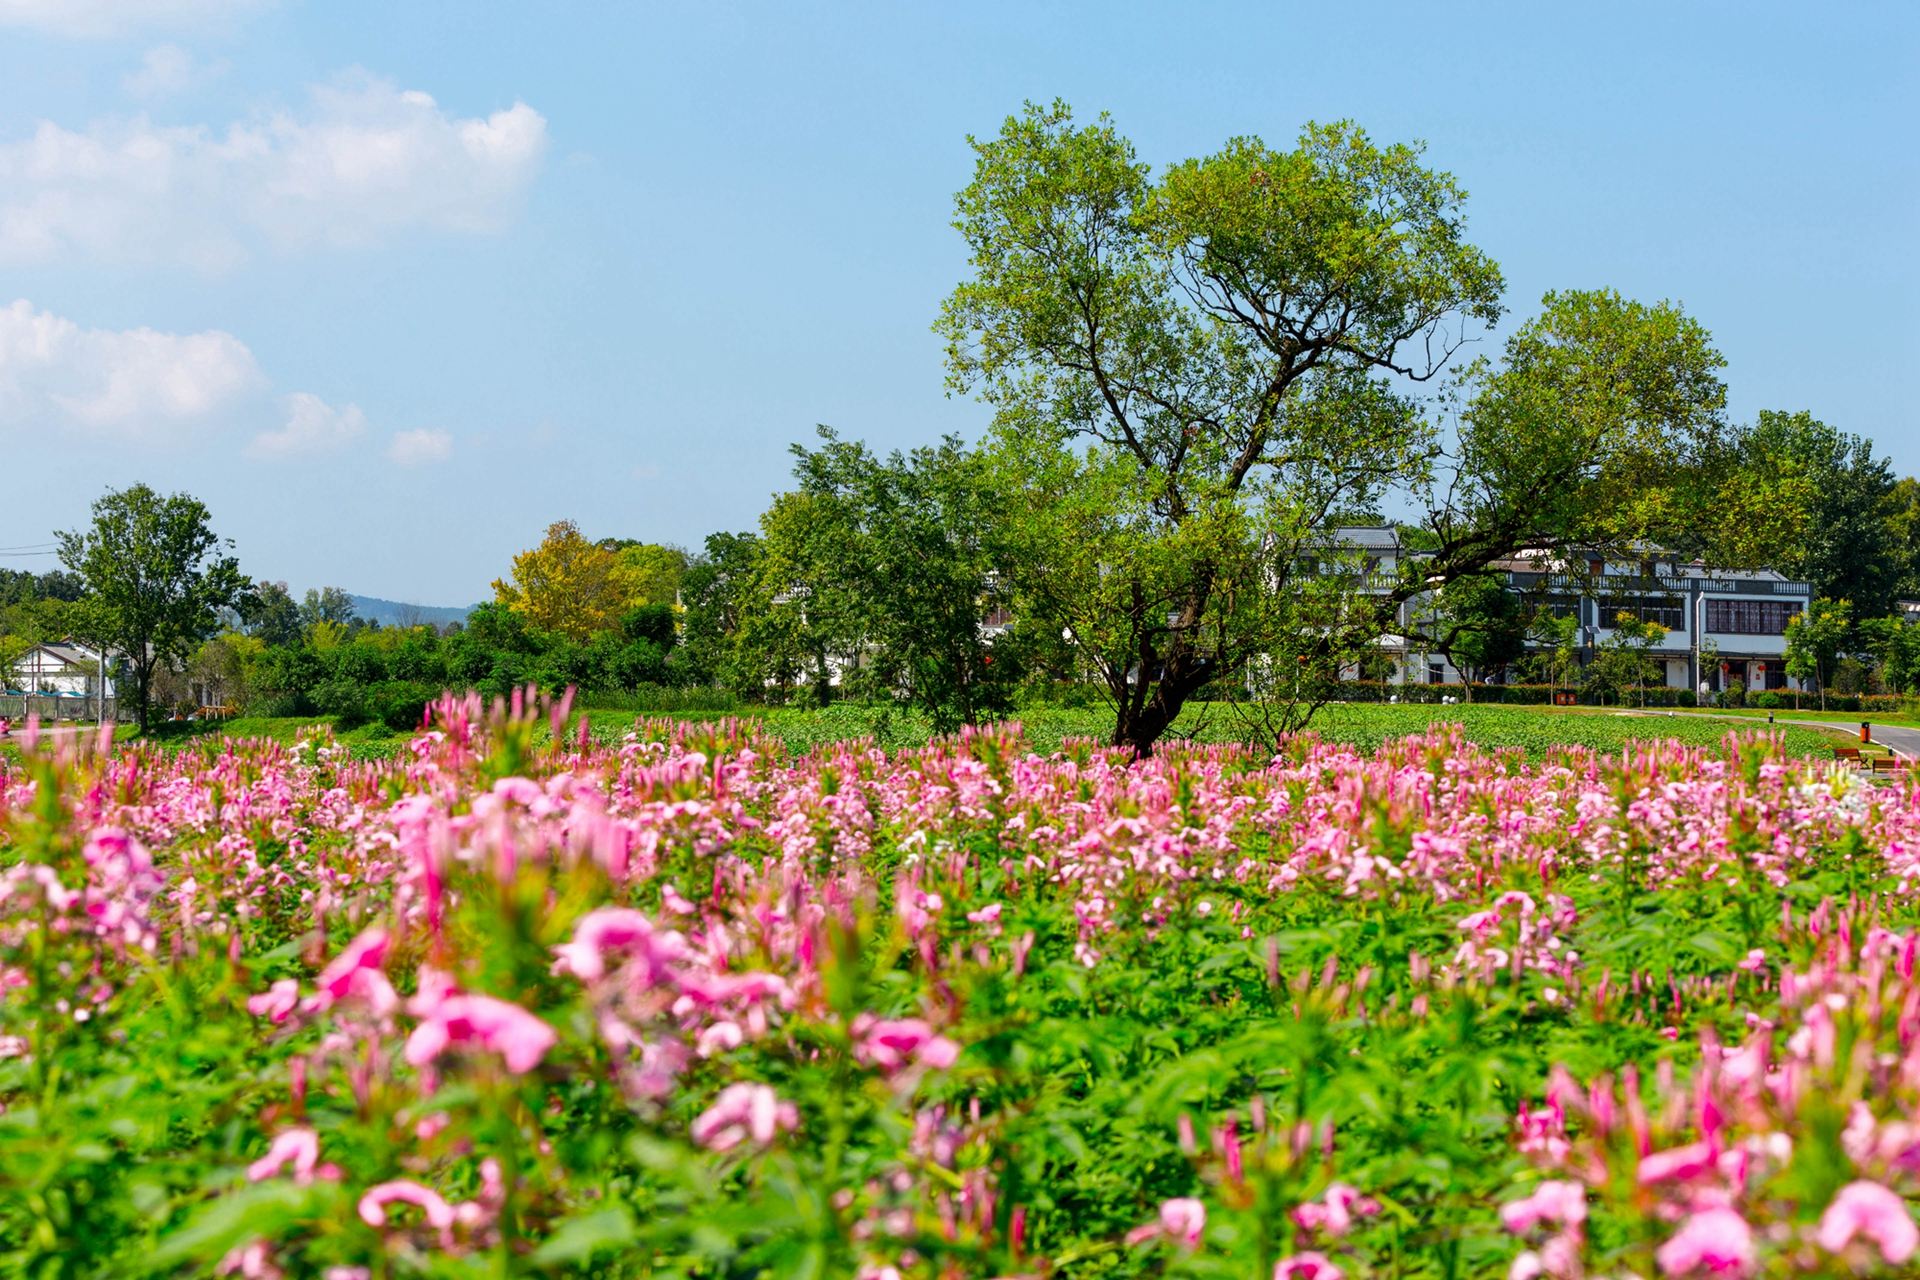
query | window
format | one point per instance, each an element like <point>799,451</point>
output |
<point>1668,613</point>
<point>1750,617</point>
<point>1561,607</point>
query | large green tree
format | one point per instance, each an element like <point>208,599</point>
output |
<point>1903,525</point>
<point>1848,546</point>
<point>1192,374</point>
<point>1814,641</point>
<point>1480,625</point>
<point>1183,371</point>
<point>909,538</point>
<point>158,574</point>
<point>717,591</point>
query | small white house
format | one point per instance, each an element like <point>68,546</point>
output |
<point>67,669</point>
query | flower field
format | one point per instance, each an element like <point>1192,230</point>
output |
<point>525,1002</point>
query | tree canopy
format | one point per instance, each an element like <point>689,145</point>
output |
<point>158,575</point>
<point>570,585</point>
<point>1193,374</point>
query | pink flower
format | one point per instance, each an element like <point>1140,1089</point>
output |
<point>276,1002</point>
<point>613,930</point>
<point>1561,1203</point>
<point>297,1147</point>
<point>368,951</point>
<point>1869,1209</point>
<point>891,1044</point>
<point>1678,1164</point>
<point>1718,1241</point>
<point>520,1039</point>
<point>1335,1215</point>
<point>1182,1219</point>
<point>1306,1266</point>
<point>373,1205</point>
<point>744,1111</point>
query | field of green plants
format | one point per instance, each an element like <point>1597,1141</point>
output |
<point>533,997</point>
<point>1363,725</point>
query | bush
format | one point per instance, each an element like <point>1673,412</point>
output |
<point>400,705</point>
<point>662,699</point>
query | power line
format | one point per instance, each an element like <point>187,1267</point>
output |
<point>30,546</point>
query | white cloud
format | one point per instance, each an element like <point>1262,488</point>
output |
<point>132,384</point>
<point>168,69</point>
<point>364,162</point>
<point>112,19</point>
<point>312,426</point>
<point>420,446</point>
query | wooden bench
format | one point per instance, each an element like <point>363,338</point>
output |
<point>1888,764</point>
<point>1847,753</point>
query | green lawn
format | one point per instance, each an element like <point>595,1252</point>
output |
<point>1364,725</point>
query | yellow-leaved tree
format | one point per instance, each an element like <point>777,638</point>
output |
<point>568,584</point>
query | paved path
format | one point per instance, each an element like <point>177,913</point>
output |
<point>1895,738</point>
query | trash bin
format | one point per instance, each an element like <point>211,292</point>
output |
<point>1866,731</point>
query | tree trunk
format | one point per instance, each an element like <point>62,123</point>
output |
<point>145,681</point>
<point>1145,718</point>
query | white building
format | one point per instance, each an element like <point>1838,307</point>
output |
<point>68,669</point>
<point>1721,625</point>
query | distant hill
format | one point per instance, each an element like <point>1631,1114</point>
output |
<point>396,613</point>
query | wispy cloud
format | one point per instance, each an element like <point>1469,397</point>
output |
<point>129,383</point>
<point>167,69</point>
<point>364,162</point>
<point>420,446</point>
<point>312,427</point>
<point>119,19</point>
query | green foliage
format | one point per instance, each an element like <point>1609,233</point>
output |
<point>1847,547</point>
<point>1814,639</point>
<point>1182,377</point>
<point>1895,645</point>
<point>155,570</point>
<point>1482,625</point>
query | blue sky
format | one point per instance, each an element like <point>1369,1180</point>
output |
<point>391,286</point>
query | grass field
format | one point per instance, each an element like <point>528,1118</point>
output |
<point>1364,725</point>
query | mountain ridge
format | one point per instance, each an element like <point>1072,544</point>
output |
<point>400,613</point>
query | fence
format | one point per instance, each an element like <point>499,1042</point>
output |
<point>53,710</point>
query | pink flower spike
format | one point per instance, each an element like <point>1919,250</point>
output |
<point>276,1002</point>
<point>496,1026</point>
<point>1182,1219</point>
<point>1718,1241</point>
<point>1869,1209</point>
<point>891,1044</point>
<point>373,1205</point>
<point>1306,1266</point>
<point>1558,1203</point>
<point>744,1111</point>
<point>368,951</point>
<point>297,1147</point>
<point>610,929</point>
<point>1678,1164</point>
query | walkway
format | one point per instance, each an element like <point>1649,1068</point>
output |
<point>1895,738</point>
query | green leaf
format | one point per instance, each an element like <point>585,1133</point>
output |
<point>580,1237</point>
